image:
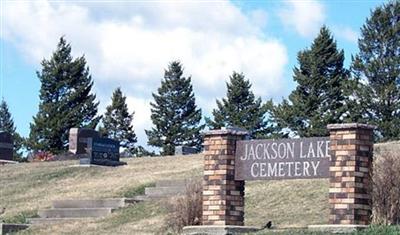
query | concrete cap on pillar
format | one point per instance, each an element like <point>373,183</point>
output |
<point>341,126</point>
<point>227,131</point>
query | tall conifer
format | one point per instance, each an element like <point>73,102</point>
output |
<point>65,100</point>
<point>242,109</point>
<point>376,68</point>
<point>174,113</point>
<point>320,96</point>
<point>117,122</point>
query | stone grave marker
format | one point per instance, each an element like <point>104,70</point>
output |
<point>103,151</point>
<point>185,150</point>
<point>78,139</point>
<point>6,146</point>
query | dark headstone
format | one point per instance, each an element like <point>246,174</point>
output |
<point>6,146</point>
<point>103,151</point>
<point>78,139</point>
<point>185,150</point>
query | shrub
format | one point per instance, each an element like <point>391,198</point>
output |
<point>43,157</point>
<point>386,186</point>
<point>185,210</point>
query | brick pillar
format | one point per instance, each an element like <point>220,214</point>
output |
<point>351,148</point>
<point>223,196</point>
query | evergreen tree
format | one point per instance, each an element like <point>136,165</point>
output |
<point>376,68</point>
<point>320,96</point>
<point>65,100</point>
<point>117,122</point>
<point>7,125</point>
<point>241,109</point>
<point>142,152</point>
<point>174,114</point>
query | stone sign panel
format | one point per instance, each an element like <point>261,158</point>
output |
<point>6,146</point>
<point>282,159</point>
<point>78,138</point>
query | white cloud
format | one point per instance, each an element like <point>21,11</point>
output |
<point>305,17</point>
<point>211,39</point>
<point>346,33</point>
<point>142,114</point>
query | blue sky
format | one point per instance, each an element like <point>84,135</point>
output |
<point>130,43</point>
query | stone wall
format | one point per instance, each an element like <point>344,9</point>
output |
<point>351,161</point>
<point>223,197</point>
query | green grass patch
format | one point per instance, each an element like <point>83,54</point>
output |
<point>136,212</point>
<point>21,217</point>
<point>136,191</point>
<point>372,230</point>
<point>380,230</point>
<point>288,232</point>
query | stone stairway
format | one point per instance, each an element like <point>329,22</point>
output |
<point>165,189</point>
<point>73,210</point>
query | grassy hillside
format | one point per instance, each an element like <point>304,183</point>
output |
<point>25,188</point>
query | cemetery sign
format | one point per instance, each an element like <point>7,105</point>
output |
<point>282,159</point>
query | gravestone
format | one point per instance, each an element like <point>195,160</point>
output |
<point>102,151</point>
<point>78,139</point>
<point>185,150</point>
<point>6,146</point>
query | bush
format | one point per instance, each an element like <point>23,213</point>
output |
<point>43,157</point>
<point>386,186</point>
<point>185,210</point>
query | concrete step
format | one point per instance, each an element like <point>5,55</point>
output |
<point>75,212</point>
<point>164,191</point>
<point>136,199</point>
<point>171,183</point>
<point>96,203</point>
<point>52,220</point>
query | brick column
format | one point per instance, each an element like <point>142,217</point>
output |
<point>223,196</point>
<point>351,148</point>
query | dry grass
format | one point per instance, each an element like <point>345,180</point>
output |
<point>26,188</point>
<point>31,186</point>
<point>143,218</point>
<point>386,184</point>
<point>287,203</point>
<point>185,210</point>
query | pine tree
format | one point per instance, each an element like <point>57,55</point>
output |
<point>320,96</point>
<point>117,122</point>
<point>376,68</point>
<point>174,113</point>
<point>7,125</point>
<point>241,109</point>
<point>65,100</point>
